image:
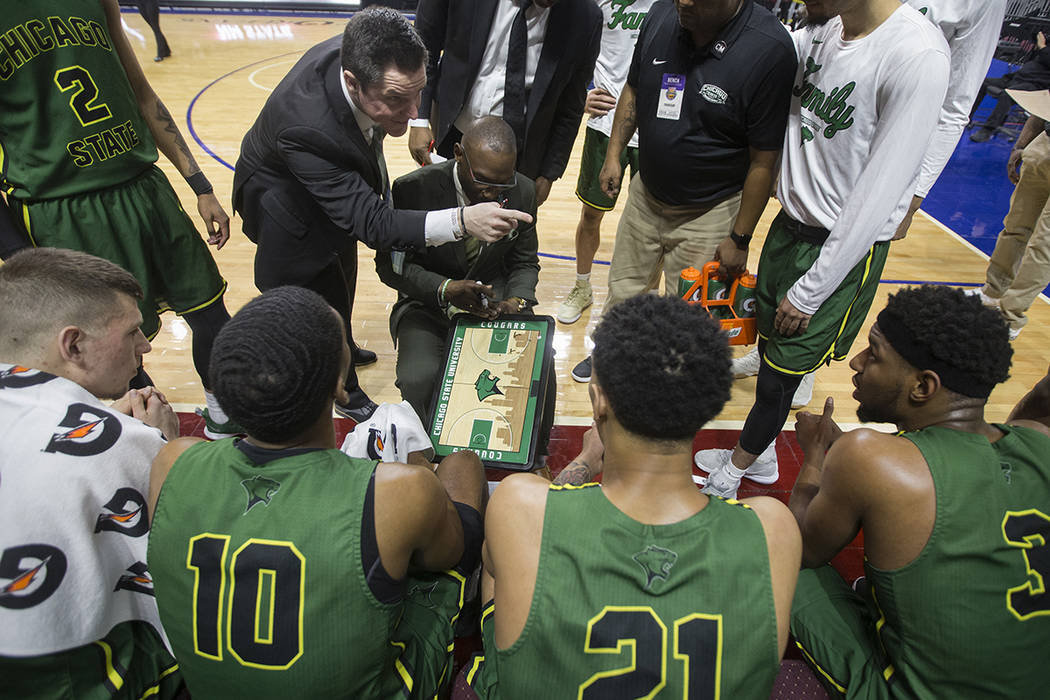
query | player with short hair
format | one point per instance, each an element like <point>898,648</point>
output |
<point>283,565</point>
<point>953,510</point>
<point>640,583</point>
<point>80,127</point>
<point>77,613</point>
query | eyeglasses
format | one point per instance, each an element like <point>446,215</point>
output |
<point>484,184</point>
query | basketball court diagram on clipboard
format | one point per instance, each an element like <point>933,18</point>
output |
<point>491,389</point>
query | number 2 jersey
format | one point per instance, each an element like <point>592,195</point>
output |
<point>69,121</point>
<point>622,609</point>
<point>970,616</point>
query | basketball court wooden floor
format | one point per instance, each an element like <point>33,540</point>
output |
<point>223,68</point>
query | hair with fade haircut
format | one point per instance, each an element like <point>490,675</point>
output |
<point>377,37</point>
<point>275,364</point>
<point>957,329</point>
<point>664,365</point>
<point>45,289</point>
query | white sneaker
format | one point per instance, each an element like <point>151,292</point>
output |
<point>1014,332</point>
<point>764,470</point>
<point>719,481</point>
<point>985,299</point>
<point>580,297</point>
<point>747,366</point>
<point>804,393</point>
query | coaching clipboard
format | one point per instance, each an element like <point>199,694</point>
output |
<point>491,393</point>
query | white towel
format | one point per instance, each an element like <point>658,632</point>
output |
<point>74,479</point>
<point>389,435</point>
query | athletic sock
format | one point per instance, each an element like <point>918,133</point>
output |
<point>732,471</point>
<point>215,411</point>
<point>583,277</point>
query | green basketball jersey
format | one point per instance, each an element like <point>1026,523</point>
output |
<point>970,617</point>
<point>129,663</point>
<point>627,610</point>
<point>69,121</point>
<point>259,581</point>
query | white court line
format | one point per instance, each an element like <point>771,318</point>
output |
<point>251,77</point>
<point>968,244</point>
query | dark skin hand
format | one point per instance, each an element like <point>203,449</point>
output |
<point>466,295</point>
<point>732,260</point>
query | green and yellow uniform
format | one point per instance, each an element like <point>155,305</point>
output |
<point>130,662</point>
<point>970,616</point>
<point>622,609</point>
<point>261,588</point>
<point>77,157</point>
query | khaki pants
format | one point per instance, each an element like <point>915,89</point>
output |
<point>653,236</point>
<point>1020,265</point>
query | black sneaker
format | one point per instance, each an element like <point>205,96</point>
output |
<point>358,409</point>
<point>582,371</point>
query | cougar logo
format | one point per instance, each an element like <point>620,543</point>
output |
<point>260,490</point>
<point>90,431</point>
<point>486,385</point>
<point>424,593</point>
<point>18,377</point>
<point>656,562</point>
<point>29,574</point>
<point>136,579</point>
<point>126,513</point>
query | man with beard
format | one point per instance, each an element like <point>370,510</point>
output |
<point>953,510</point>
<point>872,75</point>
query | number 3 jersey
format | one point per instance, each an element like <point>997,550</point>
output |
<point>259,576</point>
<point>970,616</point>
<point>69,120</point>
<point>622,609</point>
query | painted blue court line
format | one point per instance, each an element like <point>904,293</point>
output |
<point>193,102</point>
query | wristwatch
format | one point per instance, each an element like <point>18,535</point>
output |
<point>741,242</point>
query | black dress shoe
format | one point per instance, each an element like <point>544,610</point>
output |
<point>358,409</point>
<point>362,357</point>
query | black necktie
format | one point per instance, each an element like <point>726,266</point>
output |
<point>377,148</point>
<point>514,90</point>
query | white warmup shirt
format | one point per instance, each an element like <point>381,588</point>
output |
<point>622,18</point>
<point>861,118</point>
<point>971,28</point>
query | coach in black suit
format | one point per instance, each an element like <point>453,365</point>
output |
<point>311,180</point>
<point>436,283</point>
<point>462,38</point>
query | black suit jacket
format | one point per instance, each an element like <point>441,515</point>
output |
<point>307,183</point>
<point>456,32</point>
<point>510,265</point>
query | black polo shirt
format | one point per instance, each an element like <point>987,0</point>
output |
<point>736,95</point>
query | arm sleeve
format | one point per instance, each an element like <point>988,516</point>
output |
<point>909,103</point>
<point>971,47</point>
<point>347,200</point>
<point>566,123</point>
<point>415,281</point>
